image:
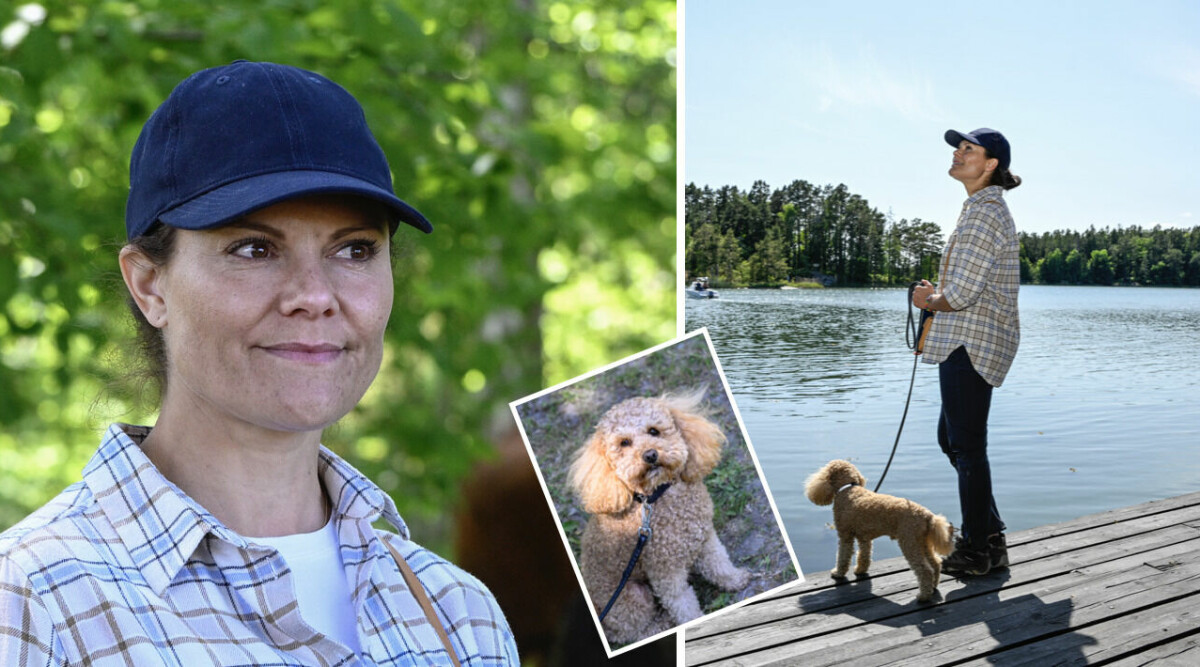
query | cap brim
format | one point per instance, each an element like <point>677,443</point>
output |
<point>229,202</point>
<point>955,138</point>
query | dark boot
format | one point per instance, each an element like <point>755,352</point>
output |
<point>997,551</point>
<point>966,560</point>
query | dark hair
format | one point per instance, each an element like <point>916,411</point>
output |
<point>1005,179</point>
<point>1002,176</point>
<point>157,246</point>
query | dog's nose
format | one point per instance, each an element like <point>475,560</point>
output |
<point>650,456</point>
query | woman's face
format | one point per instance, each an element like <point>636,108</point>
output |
<point>278,319</point>
<point>971,163</point>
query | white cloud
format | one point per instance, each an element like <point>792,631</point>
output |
<point>866,82</point>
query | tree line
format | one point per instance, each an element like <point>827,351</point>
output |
<point>1119,256</point>
<point>803,232</point>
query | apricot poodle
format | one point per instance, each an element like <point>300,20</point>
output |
<point>861,515</point>
<point>640,445</point>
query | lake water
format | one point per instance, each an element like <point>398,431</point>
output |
<point>1100,410</point>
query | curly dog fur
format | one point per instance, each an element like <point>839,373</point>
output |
<point>862,515</point>
<point>638,445</point>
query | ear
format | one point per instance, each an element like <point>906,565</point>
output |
<point>842,472</point>
<point>819,488</point>
<point>858,477</point>
<point>142,278</point>
<point>704,440</point>
<point>991,164</point>
<point>595,482</point>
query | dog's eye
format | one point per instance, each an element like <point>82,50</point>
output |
<point>625,442</point>
<point>652,431</point>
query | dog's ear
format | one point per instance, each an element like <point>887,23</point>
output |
<point>858,476</point>
<point>704,440</point>
<point>593,478</point>
<point>819,486</point>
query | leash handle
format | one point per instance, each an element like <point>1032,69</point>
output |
<point>914,332</point>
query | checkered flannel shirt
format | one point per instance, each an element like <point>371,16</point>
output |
<point>123,568</point>
<point>980,278</point>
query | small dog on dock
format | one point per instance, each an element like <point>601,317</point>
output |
<point>861,515</point>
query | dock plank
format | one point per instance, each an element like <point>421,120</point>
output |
<point>1085,591</point>
<point>893,577</point>
<point>1039,612</point>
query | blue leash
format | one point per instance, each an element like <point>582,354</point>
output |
<point>643,536</point>
<point>914,338</point>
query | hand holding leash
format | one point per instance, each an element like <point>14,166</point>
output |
<point>921,292</point>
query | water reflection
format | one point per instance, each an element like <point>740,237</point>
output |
<point>1105,380</point>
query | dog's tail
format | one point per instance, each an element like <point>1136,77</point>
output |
<point>940,536</point>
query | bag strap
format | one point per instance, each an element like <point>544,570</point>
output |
<point>946,261</point>
<point>418,591</point>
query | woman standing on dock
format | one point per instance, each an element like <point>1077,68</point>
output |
<point>974,336</point>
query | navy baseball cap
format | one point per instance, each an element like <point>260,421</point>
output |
<point>993,141</point>
<point>233,139</point>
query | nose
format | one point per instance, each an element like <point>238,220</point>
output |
<point>650,456</point>
<point>308,290</point>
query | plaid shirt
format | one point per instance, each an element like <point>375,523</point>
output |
<point>981,274</point>
<point>123,568</point>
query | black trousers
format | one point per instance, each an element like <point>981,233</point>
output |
<point>962,435</point>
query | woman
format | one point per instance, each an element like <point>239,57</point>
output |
<point>259,219</point>
<point>974,336</point>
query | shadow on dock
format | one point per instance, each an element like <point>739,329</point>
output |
<point>1118,588</point>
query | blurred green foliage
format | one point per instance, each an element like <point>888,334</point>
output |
<point>539,137</point>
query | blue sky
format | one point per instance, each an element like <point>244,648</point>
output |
<point>1100,101</point>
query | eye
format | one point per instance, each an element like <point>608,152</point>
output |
<point>652,431</point>
<point>358,250</point>
<point>252,248</point>
<point>625,442</point>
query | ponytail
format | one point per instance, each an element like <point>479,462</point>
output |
<point>1005,179</point>
<point>1002,176</point>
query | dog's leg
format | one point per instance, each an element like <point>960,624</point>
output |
<point>633,615</point>
<point>713,564</point>
<point>864,556</point>
<point>916,553</point>
<point>935,564</point>
<point>670,585</point>
<point>845,550</point>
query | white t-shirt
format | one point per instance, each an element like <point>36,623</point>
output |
<point>322,591</point>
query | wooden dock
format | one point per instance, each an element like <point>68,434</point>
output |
<point>1117,588</point>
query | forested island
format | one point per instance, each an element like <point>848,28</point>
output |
<point>808,234</point>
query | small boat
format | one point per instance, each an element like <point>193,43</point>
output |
<point>698,289</point>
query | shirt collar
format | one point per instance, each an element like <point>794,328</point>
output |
<point>161,526</point>
<point>355,496</point>
<point>990,192</point>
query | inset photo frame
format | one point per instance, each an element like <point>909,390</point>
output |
<point>650,472</point>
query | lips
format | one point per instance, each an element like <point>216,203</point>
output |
<point>316,353</point>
